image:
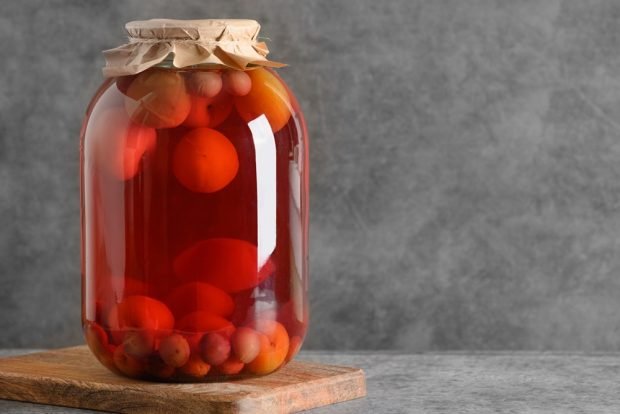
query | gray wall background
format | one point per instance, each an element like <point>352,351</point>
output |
<point>465,165</point>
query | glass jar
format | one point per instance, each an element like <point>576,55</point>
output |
<point>194,209</point>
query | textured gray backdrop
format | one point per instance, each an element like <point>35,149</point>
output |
<point>465,165</point>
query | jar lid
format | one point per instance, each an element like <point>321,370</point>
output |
<point>231,43</point>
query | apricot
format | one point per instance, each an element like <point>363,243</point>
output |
<point>237,83</point>
<point>195,367</point>
<point>214,348</point>
<point>174,350</point>
<point>274,344</point>
<point>206,84</point>
<point>157,99</point>
<point>245,344</point>
<point>194,325</point>
<point>198,115</point>
<point>139,343</point>
<point>199,296</point>
<point>205,161</point>
<point>127,364</point>
<point>208,112</point>
<point>157,368</point>
<point>231,366</point>
<point>219,108</point>
<point>141,312</point>
<point>230,264</point>
<point>268,96</point>
<point>121,144</point>
<point>96,337</point>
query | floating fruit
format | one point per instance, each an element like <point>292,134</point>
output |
<point>237,82</point>
<point>194,325</point>
<point>268,96</point>
<point>195,367</point>
<point>199,296</point>
<point>127,364</point>
<point>157,98</point>
<point>230,264</point>
<point>121,143</point>
<point>205,84</point>
<point>231,366</point>
<point>214,348</point>
<point>274,344</point>
<point>139,343</point>
<point>246,344</point>
<point>174,350</point>
<point>141,312</point>
<point>205,161</point>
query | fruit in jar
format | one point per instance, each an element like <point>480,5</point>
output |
<point>237,82</point>
<point>157,98</point>
<point>174,350</point>
<point>205,83</point>
<point>245,344</point>
<point>127,364</point>
<point>199,296</point>
<point>267,96</point>
<point>139,343</point>
<point>214,348</point>
<point>230,264</point>
<point>121,144</point>
<point>195,367</point>
<point>194,325</point>
<point>157,368</point>
<point>141,313</point>
<point>231,366</point>
<point>274,344</point>
<point>205,161</point>
<point>208,112</point>
<point>198,114</point>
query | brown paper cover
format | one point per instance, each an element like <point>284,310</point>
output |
<point>230,43</point>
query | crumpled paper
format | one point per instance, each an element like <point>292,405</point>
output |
<point>227,43</point>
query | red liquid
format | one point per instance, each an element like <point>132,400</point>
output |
<point>170,273</point>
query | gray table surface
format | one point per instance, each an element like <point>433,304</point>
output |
<point>458,382</point>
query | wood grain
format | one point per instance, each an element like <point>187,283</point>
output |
<point>72,377</point>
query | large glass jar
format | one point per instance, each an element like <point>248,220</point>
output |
<point>194,222</point>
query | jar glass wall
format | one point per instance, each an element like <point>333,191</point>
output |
<point>194,224</point>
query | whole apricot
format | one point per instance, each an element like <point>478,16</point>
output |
<point>214,348</point>
<point>205,161</point>
<point>195,367</point>
<point>199,296</point>
<point>174,350</point>
<point>141,312</point>
<point>274,344</point>
<point>206,84</point>
<point>245,344</point>
<point>158,99</point>
<point>237,82</point>
<point>231,366</point>
<point>230,264</point>
<point>268,96</point>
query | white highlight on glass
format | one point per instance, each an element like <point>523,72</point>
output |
<point>265,149</point>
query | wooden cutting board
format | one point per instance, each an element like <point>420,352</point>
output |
<point>72,377</point>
